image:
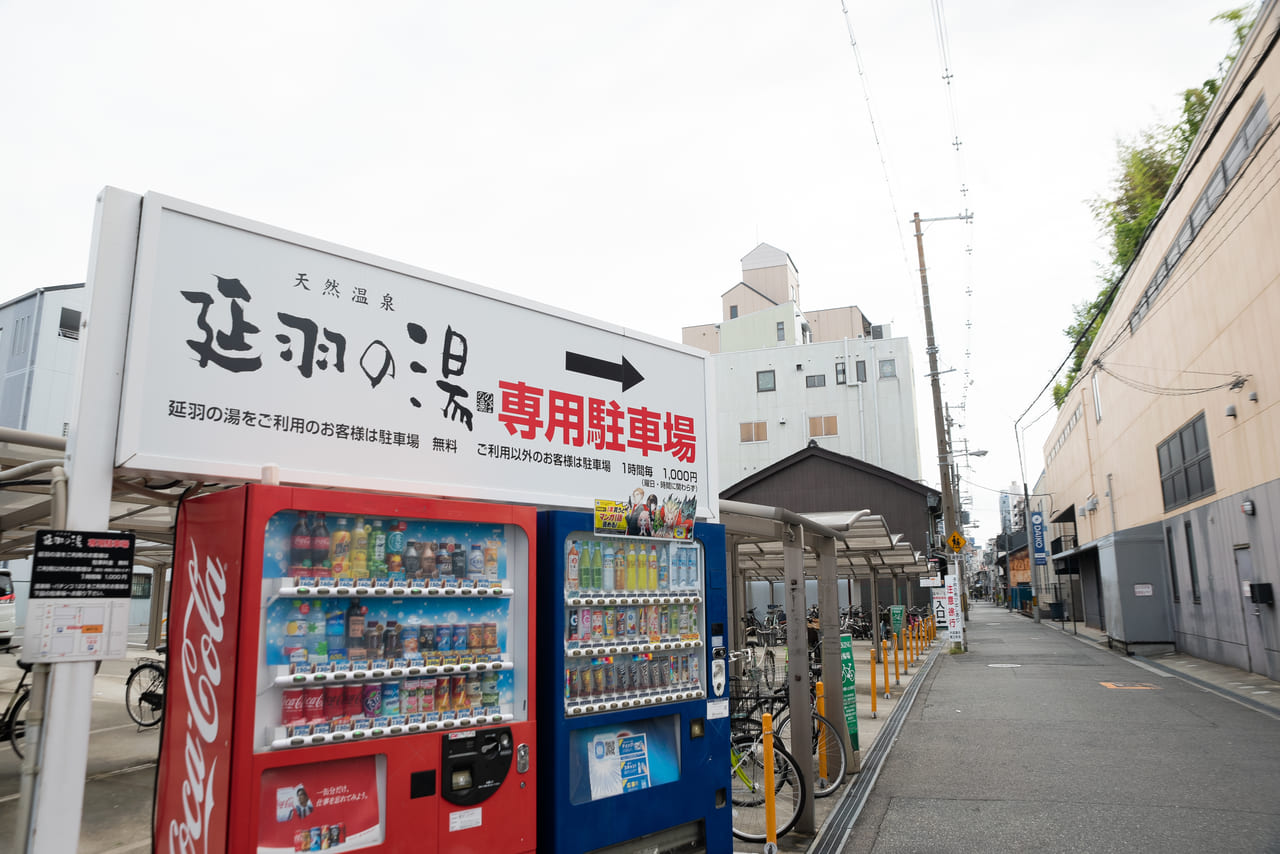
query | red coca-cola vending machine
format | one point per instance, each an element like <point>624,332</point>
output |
<point>349,672</point>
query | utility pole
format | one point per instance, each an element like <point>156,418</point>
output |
<point>944,461</point>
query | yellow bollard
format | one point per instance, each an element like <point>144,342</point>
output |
<point>821,706</point>
<point>884,644</point>
<point>873,682</point>
<point>897,676</point>
<point>915,642</point>
<point>770,806</point>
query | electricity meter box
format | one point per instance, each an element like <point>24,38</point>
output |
<point>633,711</point>
<point>349,672</point>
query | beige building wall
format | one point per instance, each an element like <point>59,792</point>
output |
<point>834,324</point>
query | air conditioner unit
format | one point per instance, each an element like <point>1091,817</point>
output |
<point>880,331</point>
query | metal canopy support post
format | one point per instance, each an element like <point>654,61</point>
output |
<point>876,636</point>
<point>829,615</point>
<point>58,796</point>
<point>798,660</point>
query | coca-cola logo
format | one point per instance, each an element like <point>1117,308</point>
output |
<point>202,633</point>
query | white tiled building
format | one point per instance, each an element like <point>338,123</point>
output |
<point>786,377</point>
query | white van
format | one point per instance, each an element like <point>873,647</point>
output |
<point>8,609</point>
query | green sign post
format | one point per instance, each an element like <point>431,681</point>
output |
<point>898,614</point>
<point>849,689</point>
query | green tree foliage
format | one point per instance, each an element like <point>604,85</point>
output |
<point>1146,169</point>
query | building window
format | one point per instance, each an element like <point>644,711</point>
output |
<point>861,371</point>
<point>822,425</point>
<point>841,376</point>
<point>1173,565</point>
<point>1097,399</point>
<point>733,312</point>
<point>1191,562</point>
<point>764,381</point>
<point>1186,470</point>
<point>753,431</point>
<point>888,368</point>
<point>69,324</point>
<point>141,586</point>
<point>782,330</point>
<point>815,381</point>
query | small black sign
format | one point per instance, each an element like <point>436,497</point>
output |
<point>82,565</point>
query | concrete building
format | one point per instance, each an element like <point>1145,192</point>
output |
<point>1164,463</point>
<point>787,377</point>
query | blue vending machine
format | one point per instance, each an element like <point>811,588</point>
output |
<point>634,744</point>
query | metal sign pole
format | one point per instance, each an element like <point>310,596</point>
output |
<point>58,792</point>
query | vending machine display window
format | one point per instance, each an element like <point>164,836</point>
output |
<point>380,626</point>
<point>606,761</point>
<point>634,623</point>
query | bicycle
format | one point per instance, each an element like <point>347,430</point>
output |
<point>13,724</point>
<point>144,691</point>
<point>824,742</point>
<point>748,793</point>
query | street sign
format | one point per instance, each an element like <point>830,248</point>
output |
<point>897,615</point>
<point>850,690</point>
<point>930,581</point>
<point>956,541</point>
<point>940,608</point>
<point>81,582</point>
<point>1038,545</point>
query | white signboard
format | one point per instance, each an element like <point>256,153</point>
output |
<point>930,581</point>
<point>955,615</point>
<point>249,345</point>
<point>1143,590</point>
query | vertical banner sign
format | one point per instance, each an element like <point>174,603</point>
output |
<point>849,688</point>
<point>955,619</point>
<point>1038,545</point>
<point>897,614</point>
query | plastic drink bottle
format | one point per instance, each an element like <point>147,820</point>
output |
<point>572,576</point>
<point>320,545</point>
<point>359,549</point>
<point>340,550</point>
<point>632,580</point>
<point>608,579</point>
<point>300,548</point>
<point>653,568</point>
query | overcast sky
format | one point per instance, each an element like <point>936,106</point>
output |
<point>618,159</point>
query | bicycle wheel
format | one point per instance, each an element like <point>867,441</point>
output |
<point>18,724</point>
<point>748,793</point>
<point>144,694</point>
<point>824,739</point>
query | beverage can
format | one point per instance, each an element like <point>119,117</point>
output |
<point>632,623</point>
<point>427,698</point>
<point>334,701</point>
<point>491,547</point>
<point>460,637</point>
<point>426,639</point>
<point>458,693</point>
<point>373,642</point>
<point>597,679</point>
<point>474,691</point>
<point>475,637</point>
<point>458,560</point>
<point>573,625</point>
<point>302,840</point>
<point>337,834</point>
<point>391,640</point>
<point>352,702</point>
<point>293,707</point>
<point>412,693</point>
<point>597,624</point>
<point>489,690</point>
<point>442,694</point>
<point>610,679</point>
<point>409,641</point>
<point>324,837</point>
<point>620,617</point>
<point>315,839</point>
<point>371,700</point>
<point>444,637</point>
<point>491,638</point>
<point>313,703</point>
<point>610,624</point>
<point>391,698</point>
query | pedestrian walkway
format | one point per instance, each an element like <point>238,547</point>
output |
<point>1024,742</point>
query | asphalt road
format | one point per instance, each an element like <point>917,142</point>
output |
<point>1034,741</point>
<point>120,776</point>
